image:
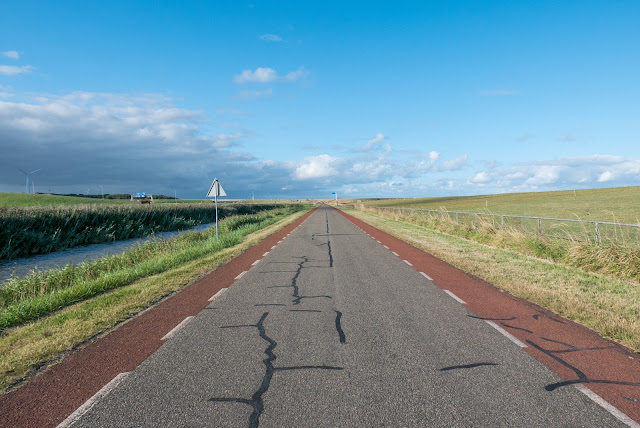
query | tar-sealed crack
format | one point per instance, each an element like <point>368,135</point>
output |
<point>467,366</point>
<point>330,255</point>
<point>326,218</point>
<point>256,401</point>
<point>582,378</point>
<point>343,338</point>
<point>297,298</point>
<point>492,319</point>
<point>555,354</point>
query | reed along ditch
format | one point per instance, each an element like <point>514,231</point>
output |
<point>22,267</point>
<point>27,232</point>
<point>41,293</point>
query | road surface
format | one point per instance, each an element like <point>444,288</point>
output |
<point>332,329</point>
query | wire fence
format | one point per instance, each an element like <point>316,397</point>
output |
<point>593,231</point>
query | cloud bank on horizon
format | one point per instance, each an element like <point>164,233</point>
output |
<point>136,143</point>
<point>321,121</point>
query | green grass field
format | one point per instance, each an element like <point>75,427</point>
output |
<point>41,200</point>
<point>619,204</point>
<point>35,200</point>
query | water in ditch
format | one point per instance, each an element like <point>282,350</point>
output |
<point>77,255</point>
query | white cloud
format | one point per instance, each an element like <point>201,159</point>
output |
<point>545,174</point>
<point>122,143</point>
<point>266,75</point>
<point>434,156</point>
<point>12,70</point>
<point>320,166</point>
<point>481,177</point>
<point>453,164</point>
<point>371,144</point>
<point>271,38</point>
<point>295,75</point>
<point>260,75</point>
<point>605,176</point>
<point>11,54</point>
<point>561,173</point>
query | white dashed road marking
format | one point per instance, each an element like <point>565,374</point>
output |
<point>395,254</point>
<point>265,254</point>
<point>608,407</point>
<point>241,275</point>
<point>407,262</point>
<point>506,334</point>
<point>222,290</point>
<point>92,401</point>
<point>426,276</point>
<point>177,328</point>
<point>455,297</point>
<point>255,263</point>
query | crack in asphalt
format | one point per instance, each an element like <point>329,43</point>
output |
<point>467,366</point>
<point>492,319</point>
<point>339,326</point>
<point>515,328</point>
<point>326,218</point>
<point>582,378</point>
<point>256,401</point>
<point>294,283</point>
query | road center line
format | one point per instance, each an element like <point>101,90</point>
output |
<point>506,334</point>
<point>241,275</point>
<point>426,276</point>
<point>455,297</point>
<point>73,418</point>
<point>222,290</point>
<point>175,329</point>
<point>407,262</point>
<point>608,407</point>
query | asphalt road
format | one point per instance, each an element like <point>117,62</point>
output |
<point>331,329</point>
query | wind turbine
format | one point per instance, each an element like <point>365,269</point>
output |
<point>28,174</point>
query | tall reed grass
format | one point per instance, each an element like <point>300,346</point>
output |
<point>41,293</point>
<point>39,230</point>
<point>609,257</point>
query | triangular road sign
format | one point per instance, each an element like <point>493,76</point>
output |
<point>216,189</point>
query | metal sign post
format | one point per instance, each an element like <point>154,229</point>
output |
<point>335,193</point>
<point>216,190</point>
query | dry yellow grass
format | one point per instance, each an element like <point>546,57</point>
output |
<point>608,305</point>
<point>24,349</point>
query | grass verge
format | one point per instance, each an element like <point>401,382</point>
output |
<point>25,348</point>
<point>608,305</point>
<point>610,258</point>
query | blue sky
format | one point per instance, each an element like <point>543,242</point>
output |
<point>301,99</point>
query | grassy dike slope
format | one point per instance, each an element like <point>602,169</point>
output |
<point>610,306</point>
<point>25,348</point>
<point>612,204</point>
